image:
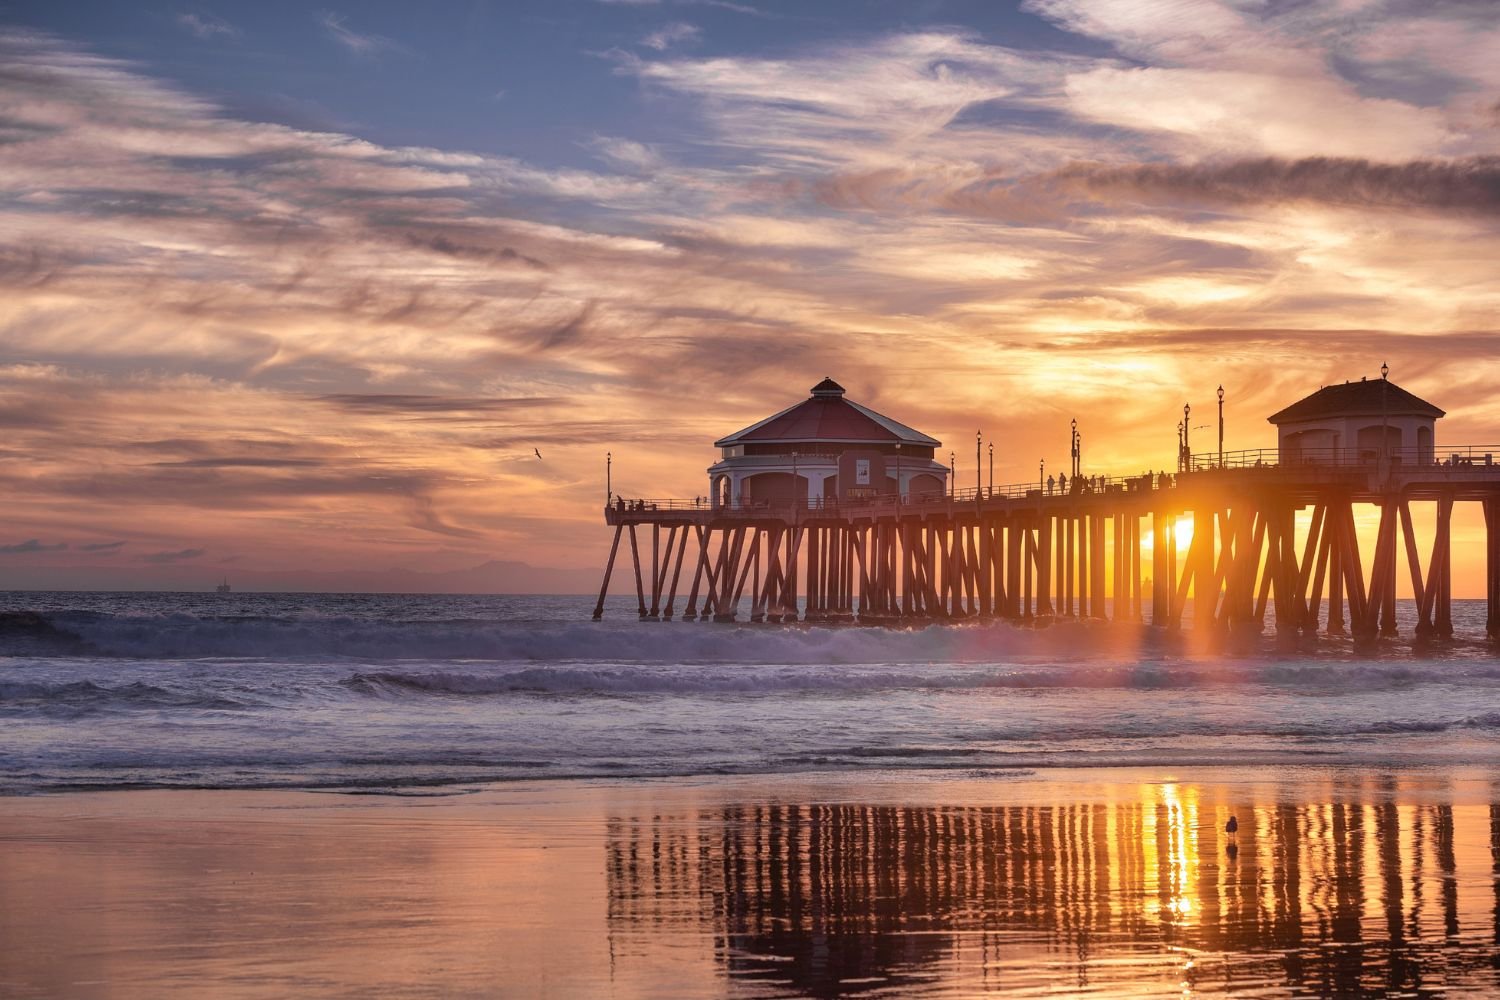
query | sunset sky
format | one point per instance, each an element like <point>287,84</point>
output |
<point>291,292</point>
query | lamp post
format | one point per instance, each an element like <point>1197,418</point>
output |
<point>952,475</point>
<point>992,469</point>
<point>609,487</point>
<point>978,463</point>
<point>1221,427</point>
<point>898,472</point>
<point>1075,448</point>
<point>1187,449</point>
<point>1041,474</point>
<point>796,501</point>
<point>1179,446</point>
<point>1385,443</point>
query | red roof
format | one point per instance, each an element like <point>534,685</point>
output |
<point>1357,399</point>
<point>827,416</point>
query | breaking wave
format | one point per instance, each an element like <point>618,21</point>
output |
<point>186,636</point>
<point>768,680</point>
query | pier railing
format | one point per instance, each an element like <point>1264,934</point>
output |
<point>1448,459</point>
<point>1486,456</point>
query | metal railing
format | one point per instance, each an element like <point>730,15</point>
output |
<point>1455,458</point>
<point>1080,486</point>
<point>1448,456</point>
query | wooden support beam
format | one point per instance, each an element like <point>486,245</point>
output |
<point>657,573</point>
<point>640,588</point>
<point>1335,577</point>
<point>1414,566</point>
<point>1443,617</point>
<point>699,571</point>
<point>1491,507</point>
<point>676,572</point>
<point>1305,612</point>
<point>609,568</point>
<point>1324,561</point>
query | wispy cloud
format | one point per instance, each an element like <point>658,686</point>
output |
<point>208,26</point>
<point>672,34</point>
<point>356,344</point>
<point>360,43</point>
<point>102,548</point>
<point>32,545</point>
<point>175,556</point>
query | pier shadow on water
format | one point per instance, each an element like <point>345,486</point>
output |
<point>1363,895</point>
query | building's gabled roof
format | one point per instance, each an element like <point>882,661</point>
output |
<point>1372,398</point>
<point>827,416</point>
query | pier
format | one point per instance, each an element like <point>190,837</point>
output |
<point>803,524</point>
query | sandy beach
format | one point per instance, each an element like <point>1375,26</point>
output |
<point>1106,882</point>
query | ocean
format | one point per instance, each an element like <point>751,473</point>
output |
<point>439,694</point>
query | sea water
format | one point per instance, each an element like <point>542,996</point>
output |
<point>420,694</point>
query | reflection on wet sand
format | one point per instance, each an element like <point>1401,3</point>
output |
<point>1364,894</point>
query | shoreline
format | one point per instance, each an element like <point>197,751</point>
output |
<point>883,882</point>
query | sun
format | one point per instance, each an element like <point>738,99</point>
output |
<point>1184,531</point>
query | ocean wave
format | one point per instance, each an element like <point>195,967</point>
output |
<point>186,636</point>
<point>761,679</point>
<point>311,638</point>
<point>86,695</point>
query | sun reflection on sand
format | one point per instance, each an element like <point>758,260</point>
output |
<point>1116,884</point>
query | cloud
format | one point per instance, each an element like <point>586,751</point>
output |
<point>32,545</point>
<point>168,557</point>
<point>359,43</point>
<point>355,344</point>
<point>672,34</point>
<point>1468,185</point>
<point>208,26</point>
<point>102,548</point>
<point>627,153</point>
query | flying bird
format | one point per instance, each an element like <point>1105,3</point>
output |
<point>538,452</point>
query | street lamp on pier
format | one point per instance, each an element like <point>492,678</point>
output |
<point>1187,448</point>
<point>796,482</point>
<point>1075,448</point>
<point>978,463</point>
<point>609,486</point>
<point>952,475</point>
<point>1385,443</point>
<point>1221,427</point>
<point>898,472</point>
<point>992,469</point>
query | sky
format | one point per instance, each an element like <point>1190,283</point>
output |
<point>293,294</point>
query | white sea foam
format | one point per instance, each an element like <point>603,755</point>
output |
<point>361,692</point>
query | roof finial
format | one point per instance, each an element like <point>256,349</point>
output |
<point>1385,370</point>
<point>828,388</point>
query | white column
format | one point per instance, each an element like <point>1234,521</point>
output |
<point>815,488</point>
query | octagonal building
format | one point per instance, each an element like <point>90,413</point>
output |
<point>824,449</point>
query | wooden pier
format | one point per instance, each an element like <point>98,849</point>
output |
<point>829,511</point>
<point>1107,548</point>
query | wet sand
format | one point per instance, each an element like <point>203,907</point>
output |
<point>1104,882</point>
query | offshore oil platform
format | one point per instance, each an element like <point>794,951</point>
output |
<point>831,512</point>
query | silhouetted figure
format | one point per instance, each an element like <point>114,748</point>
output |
<point>538,452</point>
<point>1232,827</point>
<point>1051,482</point>
<point>1062,482</point>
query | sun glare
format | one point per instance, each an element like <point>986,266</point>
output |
<point>1183,529</point>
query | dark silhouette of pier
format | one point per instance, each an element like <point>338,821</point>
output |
<point>909,547</point>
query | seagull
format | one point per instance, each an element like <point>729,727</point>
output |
<point>538,452</point>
